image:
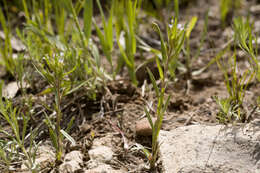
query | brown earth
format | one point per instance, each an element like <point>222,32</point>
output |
<point>120,105</point>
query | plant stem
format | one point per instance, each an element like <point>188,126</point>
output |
<point>58,120</point>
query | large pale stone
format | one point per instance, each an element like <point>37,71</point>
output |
<point>101,154</point>
<point>10,90</point>
<point>72,162</point>
<point>201,148</point>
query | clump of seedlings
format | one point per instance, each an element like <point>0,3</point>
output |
<point>15,147</point>
<point>231,108</point>
<point>247,41</point>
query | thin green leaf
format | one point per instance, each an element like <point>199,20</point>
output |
<point>72,70</point>
<point>191,25</point>
<point>159,68</point>
<point>70,124</point>
<point>46,91</point>
<point>76,88</point>
<point>88,12</point>
<point>154,83</point>
<point>163,45</point>
<point>147,153</point>
<point>52,133</point>
<point>176,8</point>
<point>109,28</point>
<point>166,104</point>
<point>25,124</point>
<point>26,10</point>
<point>123,53</point>
<point>149,118</point>
<point>66,135</point>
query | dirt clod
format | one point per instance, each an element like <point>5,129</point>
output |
<point>143,128</point>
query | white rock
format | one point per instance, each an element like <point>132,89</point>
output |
<point>16,44</point>
<point>255,9</point>
<point>213,12</point>
<point>72,162</point>
<point>200,148</point>
<point>10,90</point>
<point>257,26</point>
<point>74,155</point>
<point>101,154</point>
<point>103,141</point>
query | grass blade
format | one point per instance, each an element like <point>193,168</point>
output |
<point>88,13</point>
<point>154,83</point>
<point>148,115</point>
<point>66,135</point>
<point>191,25</point>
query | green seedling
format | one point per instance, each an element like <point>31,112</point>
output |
<point>227,7</point>
<point>55,64</point>
<point>176,8</point>
<point>161,103</point>
<point>173,47</point>
<point>169,52</point>
<point>189,57</point>
<point>125,34</point>
<point>174,44</point>
<point>190,27</point>
<point>176,36</point>
<point>74,12</point>
<point>16,141</point>
<point>54,73</point>
<point>88,13</point>
<point>106,38</point>
<point>228,110</point>
<point>6,49</point>
<point>156,126</point>
<point>247,41</point>
<point>231,108</point>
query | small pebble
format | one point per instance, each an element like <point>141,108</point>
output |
<point>255,9</point>
<point>143,128</point>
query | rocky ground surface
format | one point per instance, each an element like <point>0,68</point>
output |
<point>201,148</point>
<point>108,132</point>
